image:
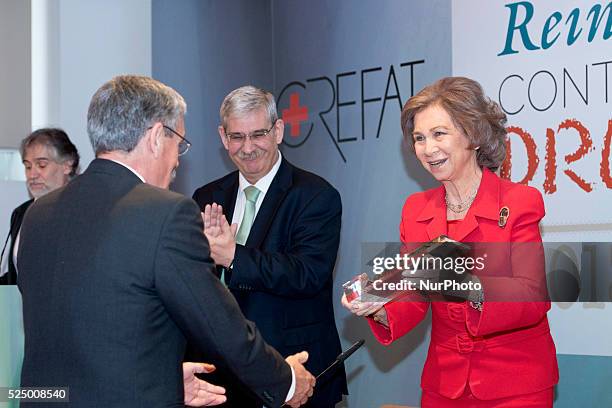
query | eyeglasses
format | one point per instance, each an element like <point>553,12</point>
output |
<point>238,138</point>
<point>184,144</point>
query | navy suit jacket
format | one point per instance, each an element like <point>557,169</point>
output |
<point>282,277</point>
<point>115,275</point>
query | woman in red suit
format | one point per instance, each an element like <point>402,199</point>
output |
<point>482,353</point>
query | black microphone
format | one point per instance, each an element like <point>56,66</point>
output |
<point>341,357</point>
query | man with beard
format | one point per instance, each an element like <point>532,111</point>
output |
<point>50,161</point>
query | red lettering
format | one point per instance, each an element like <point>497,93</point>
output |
<point>532,157</point>
<point>550,168</point>
<point>586,145</point>
<point>588,187</point>
<point>506,167</point>
<point>604,170</point>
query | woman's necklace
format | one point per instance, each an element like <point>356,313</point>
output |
<point>462,206</point>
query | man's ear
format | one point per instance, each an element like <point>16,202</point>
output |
<point>221,131</point>
<point>153,139</point>
<point>67,167</point>
<point>280,130</point>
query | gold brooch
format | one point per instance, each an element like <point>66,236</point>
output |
<point>504,213</point>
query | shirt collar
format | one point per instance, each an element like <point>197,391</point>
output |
<point>263,184</point>
<point>130,169</point>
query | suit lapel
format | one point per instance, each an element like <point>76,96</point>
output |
<point>485,205</point>
<point>434,214</point>
<point>274,197</point>
<point>226,196</point>
<point>13,231</point>
<point>466,227</point>
<point>16,224</point>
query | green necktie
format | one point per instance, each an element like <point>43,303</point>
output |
<point>251,193</point>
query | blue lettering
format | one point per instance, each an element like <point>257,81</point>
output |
<point>522,27</point>
<point>572,36</point>
<point>548,28</point>
<point>597,17</point>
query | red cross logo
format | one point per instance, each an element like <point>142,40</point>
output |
<point>295,115</point>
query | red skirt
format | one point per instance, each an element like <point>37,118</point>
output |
<point>540,399</point>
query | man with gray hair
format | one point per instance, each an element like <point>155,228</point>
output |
<point>278,255</point>
<point>50,161</point>
<point>108,307</point>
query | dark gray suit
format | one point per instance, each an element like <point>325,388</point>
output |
<point>115,275</point>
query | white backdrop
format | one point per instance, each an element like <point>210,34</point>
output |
<point>556,90</point>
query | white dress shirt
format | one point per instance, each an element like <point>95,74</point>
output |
<point>263,184</point>
<point>4,264</point>
<point>5,257</point>
<point>14,254</point>
<point>15,249</point>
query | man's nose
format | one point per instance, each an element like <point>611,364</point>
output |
<point>248,145</point>
<point>32,174</point>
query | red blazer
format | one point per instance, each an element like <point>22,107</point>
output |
<point>507,348</point>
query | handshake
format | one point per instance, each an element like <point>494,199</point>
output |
<point>199,393</point>
<point>304,381</point>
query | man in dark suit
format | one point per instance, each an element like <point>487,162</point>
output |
<point>278,256</point>
<point>116,274</point>
<point>50,161</point>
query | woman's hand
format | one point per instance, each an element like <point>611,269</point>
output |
<point>374,310</point>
